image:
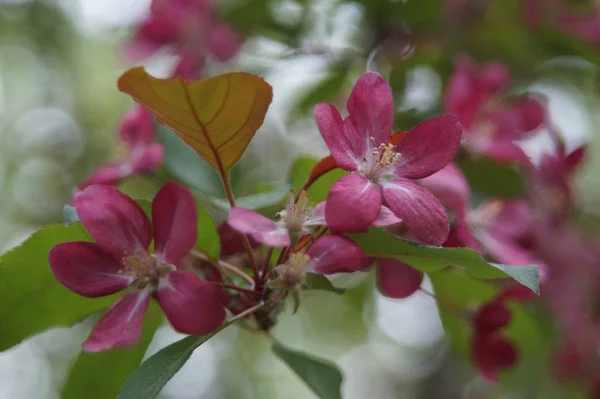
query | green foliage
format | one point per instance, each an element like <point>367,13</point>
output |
<point>31,299</point>
<point>101,375</point>
<point>321,376</point>
<point>492,179</point>
<point>378,242</point>
<point>148,380</point>
<point>320,282</point>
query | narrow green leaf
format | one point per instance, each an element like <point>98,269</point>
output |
<point>31,299</point>
<point>101,375</point>
<point>323,377</point>
<point>259,200</point>
<point>378,242</point>
<point>149,379</point>
<point>208,237</point>
<point>320,282</point>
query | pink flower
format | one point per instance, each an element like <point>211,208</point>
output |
<point>497,228</point>
<point>119,259</point>
<point>492,123</point>
<point>294,222</point>
<point>383,173</point>
<point>489,350</point>
<point>192,27</point>
<point>143,154</point>
<point>329,254</point>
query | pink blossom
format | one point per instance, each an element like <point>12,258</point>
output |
<point>489,349</point>
<point>119,259</point>
<point>143,155</point>
<point>477,95</point>
<point>383,173</point>
<point>192,28</point>
<point>497,228</point>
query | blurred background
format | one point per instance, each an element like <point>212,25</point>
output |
<point>60,111</point>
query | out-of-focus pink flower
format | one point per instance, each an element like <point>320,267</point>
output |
<point>383,173</point>
<point>496,227</point>
<point>119,259</point>
<point>192,28</point>
<point>144,155</point>
<point>489,349</point>
<point>492,122</point>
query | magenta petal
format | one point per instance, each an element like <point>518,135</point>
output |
<point>175,221</point>
<point>336,254</point>
<point>531,113</point>
<point>428,147</point>
<point>491,353</point>
<point>223,41</point>
<point>506,251</point>
<point>317,215</point>
<point>191,305</point>
<point>113,219</point>
<point>491,318</point>
<point>353,204</point>
<point>346,149</point>
<point>450,186</point>
<point>109,174</point>
<point>121,326</point>
<point>371,108</point>
<point>85,268</point>
<point>396,279</point>
<point>262,229</point>
<point>386,217</point>
<point>418,209</point>
<point>137,127</point>
<point>150,160</point>
<point>505,151</point>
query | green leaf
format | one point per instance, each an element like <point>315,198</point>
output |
<point>321,376</point>
<point>100,375</point>
<point>320,282</point>
<point>319,190</point>
<point>492,179</point>
<point>31,299</point>
<point>378,242</point>
<point>186,166</point>
<point>70,215</point>
<point>148,380</point>
<point>257,201</point>
<point>208,237</point>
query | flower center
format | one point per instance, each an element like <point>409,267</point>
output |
<point>291,273</point>
<point>296,212</point>
<point>144,269</point>
<point>380,162</point>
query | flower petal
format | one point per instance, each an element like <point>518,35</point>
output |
<point>428,147</point>
<point>231,240</point>
<point>418,209</point>
<point>353,204</point>
<point>150,159</point>
<point>346,149</point>
<point>396,279</point>
<point>491,317</point>
<point>191,305</point>
<point>386,218</point>
<point>109,174</point>
<point>137,127</point>
<point>175,221</point>
<point>317,215</point>
<point>491,353</point>
<point>121,326</point>
<point>505,151</point>
<point>336,254</point>
<point>450,186</point>
<point>371,108</point>
<point>262,229</point>
<point>113,219</point>
<point>85,268</point>
<point>223,41</point>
